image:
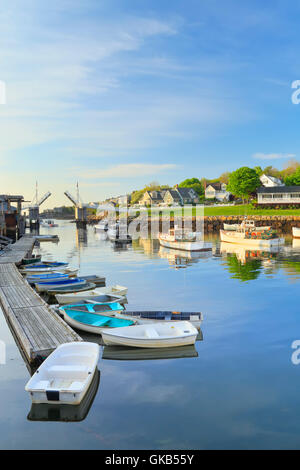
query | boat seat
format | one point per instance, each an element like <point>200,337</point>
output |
<point>151,333</point>
<point>64,371</point>
<point>76,385</point>
<point>42,385</point>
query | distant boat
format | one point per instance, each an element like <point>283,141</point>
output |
<point>178,240</point>
<point>48,223</point>
<point>65,376</point>
<point>45,285</point>
<point>77,297</point>
<point>92,318</point>
<point>67,289</point>
<point>156,335</point>
<point>296,232</point>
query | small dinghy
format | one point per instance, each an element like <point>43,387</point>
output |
<point>67,289</point>
<point>156,335</point>
<point>78,297</point>
<point>46,277</point>
<point>92,317</point>
<point>33,260</point>
<point>97,280</point>
<point>146,317</point>
<point>65,376</point>
<point>44,286</point>
<point>54,264</point>
<point>45,270</point>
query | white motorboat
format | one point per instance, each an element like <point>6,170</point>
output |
<point>65,376</point>
<point>102,225</point>
<point>156,335</point>
<point>179,240</point>
<point>245,223</point>
<point>48,223</point>
<point>296,232</point>
<point>78,297</point>
<point>251,239</point>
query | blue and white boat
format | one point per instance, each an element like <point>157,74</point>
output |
<point>44,286</point>
<point>94,318</point>
<point>34,278</point>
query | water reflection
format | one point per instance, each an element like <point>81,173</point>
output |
<point>56,412</point>
<point>134,354</point>
<point>181,258</point>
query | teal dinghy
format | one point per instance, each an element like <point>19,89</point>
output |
<point>93,318</point>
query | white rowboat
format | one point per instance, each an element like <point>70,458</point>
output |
<point>65,376</point>
<point>78,297</point>
<point>157,335</point>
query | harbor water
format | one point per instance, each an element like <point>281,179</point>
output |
<point>238,388</point>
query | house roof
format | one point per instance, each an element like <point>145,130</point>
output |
<point>175,195</point>
<point>272,178</point>
<point>217,186</point>
<point>278,189</point>
<point>186,192</point>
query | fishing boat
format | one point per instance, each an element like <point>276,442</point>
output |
<point>44,286</point>
<point>92,317</point>
<point>34,259</point>
<point>296,232</point>
<point>68,289</point>
<point>78,297</point>
<point>252,238</point>
<point>146,317</point>
<point>187,241</point>
<point>156,335</point>
<point>66,413</point>
<point>245,223</point>
<point>102,225</point>
<point>65,376</point>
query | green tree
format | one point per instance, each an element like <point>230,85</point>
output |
<point>258,170</point>
<point>194,183</point>
<point>243,182</point>
<point>293,179</point>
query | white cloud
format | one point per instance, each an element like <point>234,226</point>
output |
<point>273,156</point>
<point>130,170</point>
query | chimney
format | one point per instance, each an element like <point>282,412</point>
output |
<point>176,186</point>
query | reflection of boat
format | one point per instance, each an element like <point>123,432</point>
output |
<point>251,238</point>
<point>122,353</point>
<point>67,413</point>
<point>100,235</point>
<point>77,297</point>
<point>66,375</point>
<point>179,240</point>
<point>245,253</point>
<point>147,317</point>
<point>102,225</point>
<point>34,259</point>
<point>155,335</point>
<point>182,257</point>
<point>296,232</point>
<point>92,318</point>
<point>48,223</point>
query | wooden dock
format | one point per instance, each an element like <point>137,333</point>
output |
<point>38,329</point>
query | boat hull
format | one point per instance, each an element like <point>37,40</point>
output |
<point>64,299</point>
<point>237,237</point>
<point>186,246</point>
<point>44,286</point>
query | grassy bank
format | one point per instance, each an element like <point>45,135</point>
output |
<point>230,210</point>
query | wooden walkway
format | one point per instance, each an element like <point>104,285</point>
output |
<point>38,329</point>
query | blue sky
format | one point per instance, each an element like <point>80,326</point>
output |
<point>116,94</point>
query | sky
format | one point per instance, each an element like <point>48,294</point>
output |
<point>117,94</point>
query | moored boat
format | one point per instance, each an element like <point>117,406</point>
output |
<point>92,317</point>
<point>71,288</point>
<point>33,278</point>
<point>251,238</point>
<point>65,376</point>
<point>146,317</point>
<point>28,270</point>
<point>179,240</point>
<point>97,280</point>
<point>296,232</point>
<point>31,260</point>
<point>45,285</point>
<point>246,223</point>
<point>156,335</point>
<point>78,297</point>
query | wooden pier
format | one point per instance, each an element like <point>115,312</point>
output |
<point>38,329</point>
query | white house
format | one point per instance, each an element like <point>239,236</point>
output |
<point>270,181</point>
<point>217,191</point>
<point>278,195</point>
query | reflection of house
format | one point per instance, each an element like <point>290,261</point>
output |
<point>278,195</point>
<point>270,181</point>
<point>217,191</point>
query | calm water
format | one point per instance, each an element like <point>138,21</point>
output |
<point>238,388</point>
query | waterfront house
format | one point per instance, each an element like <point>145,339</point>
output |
<point>181,196</point>
<point>282,195</point>
<point>217,191</point>
<point>270,181</point>
<point>152,198</point>
<point>124,200</point>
